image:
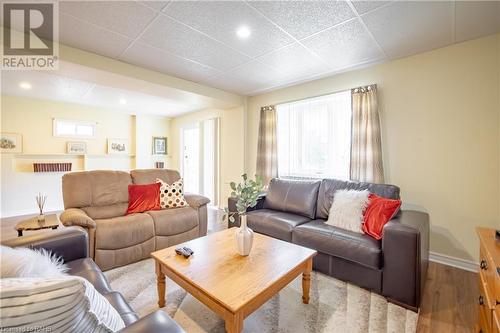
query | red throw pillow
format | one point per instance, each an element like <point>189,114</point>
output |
<point>379,211</point>
<point>142,198</point>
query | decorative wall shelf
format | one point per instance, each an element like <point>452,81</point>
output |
<point>25,162</point>
<point>62,155</point>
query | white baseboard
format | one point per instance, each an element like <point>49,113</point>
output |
<point>444,259</point>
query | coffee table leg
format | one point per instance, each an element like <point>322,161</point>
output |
<point>234,324</point>
<point>306,282</point>
<point>160,277</point>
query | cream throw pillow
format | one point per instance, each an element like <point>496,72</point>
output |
<point>347,209</point>
<point>172,196</point>
<point>24,262</point>
<point>64,304</point>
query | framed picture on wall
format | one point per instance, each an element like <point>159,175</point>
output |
<point>11,143</point>
<point>118,146</point>
<point>77,148</point>
<point>159,145</point>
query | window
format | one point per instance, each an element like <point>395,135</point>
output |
<point>314,137</point>
<point>74,128</point>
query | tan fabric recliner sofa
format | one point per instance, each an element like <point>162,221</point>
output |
<point>98,201</point>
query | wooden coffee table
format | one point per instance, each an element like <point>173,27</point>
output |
<point>231,285</point>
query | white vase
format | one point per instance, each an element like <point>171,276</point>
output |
<point>244,237</point>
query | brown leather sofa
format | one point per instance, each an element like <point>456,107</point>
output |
<point>98,201</point>
<point>72,245</point>
<point>395,267</point>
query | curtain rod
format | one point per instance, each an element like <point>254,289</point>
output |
<point>321,95</point>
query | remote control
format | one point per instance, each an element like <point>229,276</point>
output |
<point>182,252</point>
<point>187,249</point>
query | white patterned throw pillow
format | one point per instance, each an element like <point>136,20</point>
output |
<point>24,262</point>
<point>64,304</point>
<point>347,209</point>
<point>172,196</point>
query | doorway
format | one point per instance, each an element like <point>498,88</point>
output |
<point>200,158</point>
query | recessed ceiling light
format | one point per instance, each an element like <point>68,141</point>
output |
<point>123,101</point>
<point>243,32</point>
<point>25,85</point>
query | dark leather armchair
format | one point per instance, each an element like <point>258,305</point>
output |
<point>71,244</point>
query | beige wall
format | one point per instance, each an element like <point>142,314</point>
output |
<point>231,144</point>
<point>440,125</point>
<point>146,127</point>
<point>33,119</point>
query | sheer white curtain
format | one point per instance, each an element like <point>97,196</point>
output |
<point>314,137</point>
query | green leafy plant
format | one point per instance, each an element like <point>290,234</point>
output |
<point>246,194</point>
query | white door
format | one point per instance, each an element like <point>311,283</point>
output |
<point>191,158</point>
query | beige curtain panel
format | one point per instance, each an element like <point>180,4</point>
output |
<point>366,147</point>
<point>267,151</point>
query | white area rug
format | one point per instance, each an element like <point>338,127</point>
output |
<point>335,306</point>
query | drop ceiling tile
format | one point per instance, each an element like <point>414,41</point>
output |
<point>248,77</point>
<point>75,33</point>
<point>303,18</point>
<point>344,45</point>
<point>476,18</point>
<point>156,5</point>
<point>221,19</point>
<point>125,17</point>
<point>363,7</point>
<point>178,39</point>
<point>410,27</point>
<point>293,62</point>
<point>154,59</point>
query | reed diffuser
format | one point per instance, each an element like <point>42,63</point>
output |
<point>40,201</point>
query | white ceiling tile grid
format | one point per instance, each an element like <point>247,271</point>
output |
<point>289,41</point>
<point>345,44</point>
<point>409,27</point>
<point>304,18</point>
<point>221,20</point>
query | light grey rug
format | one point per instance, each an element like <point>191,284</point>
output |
<point>335,306</point>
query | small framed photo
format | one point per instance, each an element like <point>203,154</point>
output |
<point>11,143</point>
<point>159,145</point>
<point>79,148</point>
<point>118,146</point>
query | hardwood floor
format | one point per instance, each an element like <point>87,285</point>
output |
<point>448,303</point>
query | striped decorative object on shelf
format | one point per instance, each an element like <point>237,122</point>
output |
<point>52,167</point>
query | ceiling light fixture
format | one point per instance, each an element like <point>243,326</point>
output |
<point>25,85</point>
<point>123,101</point>
<point>243,32</point>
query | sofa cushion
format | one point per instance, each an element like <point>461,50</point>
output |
<point>123,231</point>
<point>174,221</point>
<point>87,269</point>
<point>116,299</point>
<point>274,223</point>
<point>293,196</point>
<point>95,188</point>
<point>148,176</point>
<point>328,188</point>
<point>106,212</point>
<point>345,244</point>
